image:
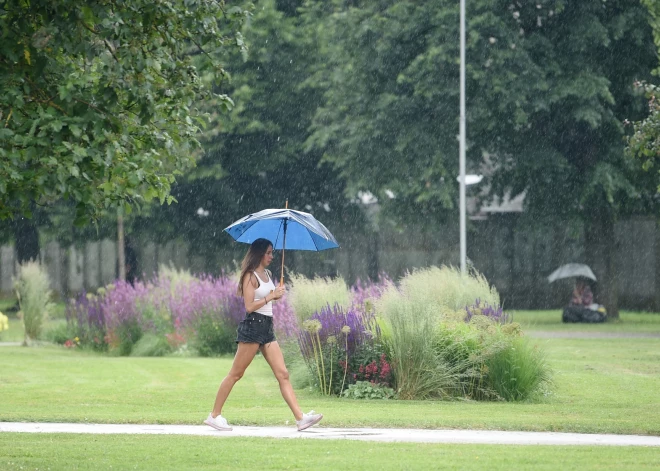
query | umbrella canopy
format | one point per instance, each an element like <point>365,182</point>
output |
<point>571,270</point>
<point>297,229</point>
<point>286,229</point>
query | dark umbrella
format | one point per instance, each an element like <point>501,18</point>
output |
<point>286,229</point>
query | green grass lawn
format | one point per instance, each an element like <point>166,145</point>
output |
<point>92,452</point>
<point>600,385</point>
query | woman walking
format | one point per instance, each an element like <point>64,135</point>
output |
<point>255,333</point>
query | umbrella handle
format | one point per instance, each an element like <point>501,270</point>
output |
<point>286,206</point>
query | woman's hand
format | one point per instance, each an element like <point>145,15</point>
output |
<point>278,292</point>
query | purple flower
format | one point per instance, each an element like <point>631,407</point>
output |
<point>164,305</point>
<point>495,313</point>
<point>365,292</point>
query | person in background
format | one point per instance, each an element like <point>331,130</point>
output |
<point>255,333</point>
<point>582,294</point>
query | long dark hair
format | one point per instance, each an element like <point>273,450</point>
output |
<point>252,259</point>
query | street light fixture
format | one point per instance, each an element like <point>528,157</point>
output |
<point>471,179</point>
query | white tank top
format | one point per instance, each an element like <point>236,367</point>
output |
<point>261,292</point>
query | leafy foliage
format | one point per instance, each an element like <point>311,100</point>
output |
<point>99,101</point>
<point>367,390</point>
<point>548,85</point>
<point>644,143</point>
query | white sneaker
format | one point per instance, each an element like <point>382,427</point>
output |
<point>308,420</point>
<point>218,423</point>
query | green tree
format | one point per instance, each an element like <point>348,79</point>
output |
<point>548,85</point>
<point>254,156</point>
<point>99,99</point>
<point>644,142</point>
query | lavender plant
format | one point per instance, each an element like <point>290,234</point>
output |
<point>175,307</point>
<point>364,294</point>
<point>493,312</point>
<point>86,321</point>
<point>334,342</point>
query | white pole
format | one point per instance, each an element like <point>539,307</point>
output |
<point>462,145</point>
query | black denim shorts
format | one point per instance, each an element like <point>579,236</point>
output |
<point>256,328</point>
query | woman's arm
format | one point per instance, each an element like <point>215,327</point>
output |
<point>249,286</point>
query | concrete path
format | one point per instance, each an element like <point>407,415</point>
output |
<point>547,334</point>
<point>362,434</point>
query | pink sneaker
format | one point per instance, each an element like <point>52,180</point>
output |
<point>308,420</point>
<point>218,423</point>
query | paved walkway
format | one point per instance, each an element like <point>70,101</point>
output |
<point>362,434</point>
<point>547,334</point>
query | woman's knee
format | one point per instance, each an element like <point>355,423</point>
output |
<point>235,376</point>
<point>282,375</point>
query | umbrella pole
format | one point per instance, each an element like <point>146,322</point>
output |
<point>286,206</point>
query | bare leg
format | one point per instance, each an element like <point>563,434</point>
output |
<point>244,356</point>
<point>273,355</point>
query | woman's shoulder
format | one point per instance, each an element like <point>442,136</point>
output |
<point>249,277</point>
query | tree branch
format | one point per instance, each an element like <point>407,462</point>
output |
<point>105,41</point>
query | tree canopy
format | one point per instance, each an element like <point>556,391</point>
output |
<point>644,142</point>
<point>100,99</point>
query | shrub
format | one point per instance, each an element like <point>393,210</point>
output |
<point>58,333</point>
<point>214,336</point>
<point>518,371</point>
<point>367,390</point>
<point>150,345</point>
<point>466,347</point>
<point>33,293</point>
<point>310,296</point>
<point>122,338</point>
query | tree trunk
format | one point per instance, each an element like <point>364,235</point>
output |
<point>657,265</point>
<point>121,255</point>
<point>27,239</point>
<point>600,249</point>
<point>373,265</point>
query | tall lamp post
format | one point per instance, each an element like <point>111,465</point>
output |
<point>462,146</point>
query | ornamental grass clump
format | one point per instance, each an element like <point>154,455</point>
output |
<point>308,296</point>
<point>447,335</point>
<point>32,288</point>
<point>518,371</point>
<point>493,360</point>
<point>467,348</point>
<point>420,372</point>
<point>446,290</point>
<point>4,323</point>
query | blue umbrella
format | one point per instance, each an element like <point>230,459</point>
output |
<point>286,229</point>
